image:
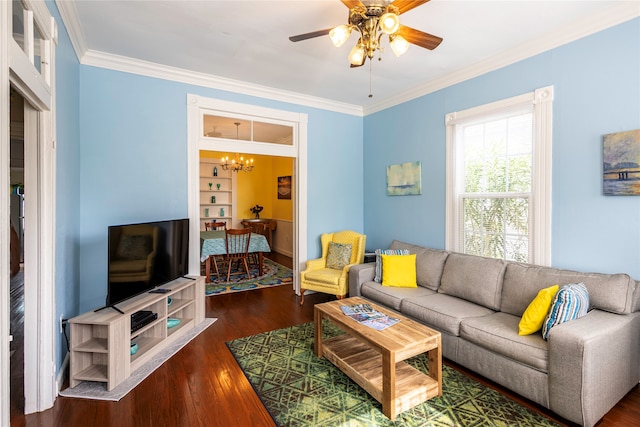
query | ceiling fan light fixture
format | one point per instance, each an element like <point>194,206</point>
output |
<point>389,23</point>
<point>340,34</point>
<point>356,56</point>
<point>399,44</point>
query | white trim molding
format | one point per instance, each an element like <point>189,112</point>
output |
<point>71,20</point>
<point>5,338</point>
<point>151,69</point>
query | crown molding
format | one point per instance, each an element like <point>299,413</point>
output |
<point>151,69</point>
<point>626,11</point>
<point>71,20</point>
<point>616,15</point>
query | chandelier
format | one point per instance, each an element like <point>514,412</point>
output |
<point>239,163</point>
<point>372,23</point>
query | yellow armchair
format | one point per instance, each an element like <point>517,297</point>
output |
<point>318,277</point>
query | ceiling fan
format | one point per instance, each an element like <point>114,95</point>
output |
<point>372,19</point>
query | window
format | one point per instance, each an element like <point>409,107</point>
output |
<point>247,129</point>
<point>498,179</point>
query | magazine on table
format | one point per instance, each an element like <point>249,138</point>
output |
<point>366,315</point>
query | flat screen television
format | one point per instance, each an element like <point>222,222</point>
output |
<point>144,256</point>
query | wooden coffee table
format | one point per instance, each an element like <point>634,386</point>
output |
<point>374,359</point>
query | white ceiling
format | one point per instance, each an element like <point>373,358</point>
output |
<point>247,41</point>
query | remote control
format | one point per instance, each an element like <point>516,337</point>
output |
<point>159,291</point>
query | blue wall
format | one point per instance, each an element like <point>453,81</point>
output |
<point>67,181</point>
<point>133,163</point>
<point>597,91</point>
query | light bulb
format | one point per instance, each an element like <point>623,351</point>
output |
<point>398,45</point>
<point>389,23</point>
<point>356,57</point>
<point>340,34</point>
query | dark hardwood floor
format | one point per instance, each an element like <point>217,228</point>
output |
<point>202,385</point>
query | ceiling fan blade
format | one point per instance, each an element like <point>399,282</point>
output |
<point>311,35</point>
<point>406,5</point>
<point>351,3</point>
<point>419,38</point>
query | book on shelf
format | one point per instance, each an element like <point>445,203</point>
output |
<point>366,315</point>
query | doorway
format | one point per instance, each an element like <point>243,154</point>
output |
<point>262,185</point>
<point>16,270</point>
<point>27,56</point>
<point>257,119</point>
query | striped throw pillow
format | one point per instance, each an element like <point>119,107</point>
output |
<point>378,275</point>
<point>570,303</point>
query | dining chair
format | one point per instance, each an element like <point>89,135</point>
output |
<point>237,244</point>
<point>213,226</point>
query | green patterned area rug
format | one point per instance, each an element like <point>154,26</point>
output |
<point>274,274</point>
<point>300,389</point>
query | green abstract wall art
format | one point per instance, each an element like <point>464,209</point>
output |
<point>404,179</point>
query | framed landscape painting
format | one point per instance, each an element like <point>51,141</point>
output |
<point>404,179</point>
<point>621,163</point>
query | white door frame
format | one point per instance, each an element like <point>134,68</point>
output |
<point>197,106</point>
<point>38,90</point>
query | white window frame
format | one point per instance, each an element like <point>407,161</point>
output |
<point>540,102</point>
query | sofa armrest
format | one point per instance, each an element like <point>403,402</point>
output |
<point>358,274</point>
<point>593,362</point>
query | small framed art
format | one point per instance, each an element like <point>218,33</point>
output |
<point>404,179</point>
<point>621,163</point>
<point>284,187</point>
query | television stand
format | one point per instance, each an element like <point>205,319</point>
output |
<point>101,340</point>
<point>109,306</point>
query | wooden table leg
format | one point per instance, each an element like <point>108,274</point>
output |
<point>317,337</point>
<point>389,384</point>
<point>260,263</point>
<point>435,365</point>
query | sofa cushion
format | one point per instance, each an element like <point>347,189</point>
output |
<point>328,276</point>
<point>379,252</point>
<point>474,278</point>
<point>570,303</point>
<point>609,292</point>
<point>391,297</point>
<point>429,263</point>
<point>499,333</point>
<point>442,312</point>
<point>536,312</point>
<point>399,271</point>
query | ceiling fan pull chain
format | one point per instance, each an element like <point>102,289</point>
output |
<point>370,78</point>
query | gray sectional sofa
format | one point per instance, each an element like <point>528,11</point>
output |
<point>584,368</point>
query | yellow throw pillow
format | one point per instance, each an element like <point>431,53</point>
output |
<point>534,315</point>
<point>399,271</point>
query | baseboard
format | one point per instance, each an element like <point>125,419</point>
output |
<point>283,252</point>
<point>62,373</point>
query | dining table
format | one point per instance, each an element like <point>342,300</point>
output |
<point>214,243</point>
